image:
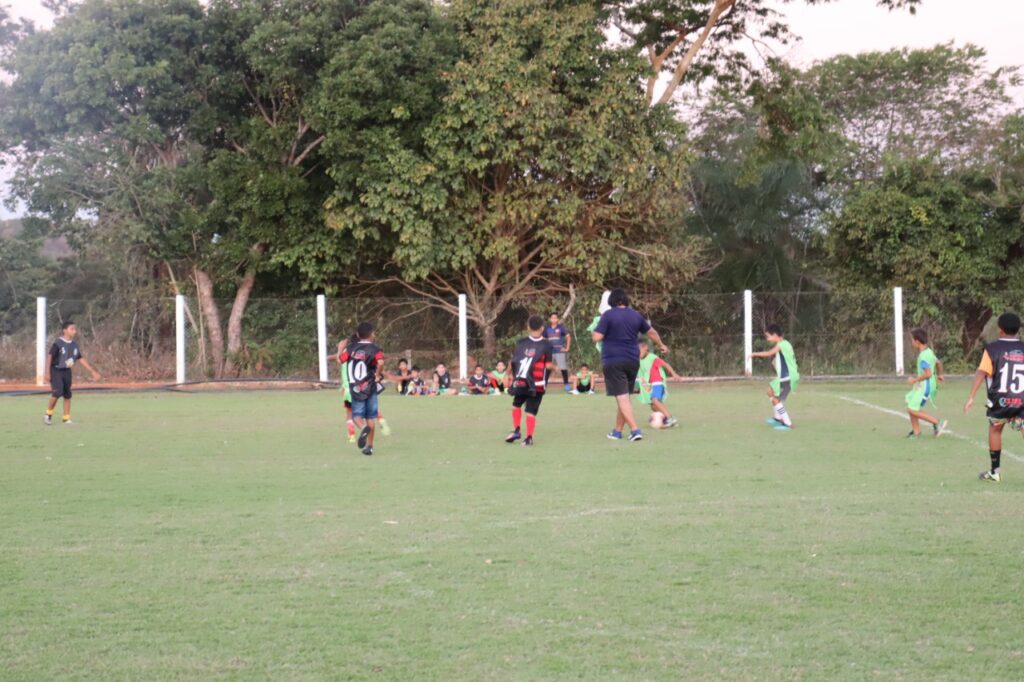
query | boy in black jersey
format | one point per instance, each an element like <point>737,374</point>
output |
<point>64,353</point>
<point>364,366</point>
<point>1002,368</point>
<point>479,383</point>
<point>531,360</point>
<point>443,381</point>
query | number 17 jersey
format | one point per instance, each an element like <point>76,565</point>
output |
<point>1003,362</point>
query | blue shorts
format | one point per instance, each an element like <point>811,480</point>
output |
<point>367,409</point>
<point>658,392</point>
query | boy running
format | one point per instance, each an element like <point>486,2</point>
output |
<point>346,394</point>
<point>364,367</point>
<point>653,391</point>
<point>1002,368</point>
<point>64,353</point>
<point>924,386</point>
<point>531,360</point>
<point>786,379</point>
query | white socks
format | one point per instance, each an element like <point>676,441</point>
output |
<point>781,414</point>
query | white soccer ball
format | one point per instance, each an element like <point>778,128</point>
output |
<point>657,420</point>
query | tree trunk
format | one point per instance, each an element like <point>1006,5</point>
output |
<point>242,294</point>
<point>490,339</point>
<point>208,306</point>
<point>975,319</point>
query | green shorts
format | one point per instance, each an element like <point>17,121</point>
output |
<point>781,389</point>
<point>916,399</point>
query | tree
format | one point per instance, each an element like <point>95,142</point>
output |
<point>696,39</point>
<point>543,167</point>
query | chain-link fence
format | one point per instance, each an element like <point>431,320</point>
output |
<point>834,333</point>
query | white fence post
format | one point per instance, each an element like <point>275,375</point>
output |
<point>463,339</point>
<point>748,332</point>
<point>321,334</point>
<point>41,341</point>
<point>179,338</point>
<point>897,320</point>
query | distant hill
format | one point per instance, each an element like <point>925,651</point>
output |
<point>53,249</point>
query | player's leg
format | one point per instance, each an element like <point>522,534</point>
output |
<point>995,450</point>
<point>915,424</point>
<point>385,428</point>
<point>349,424</point>
<point>359,411</point>
<point>532,406</point>
<point>371,415</point>
<point>658,405</point>
<point>50,407</point>
<point>67,410</point>
<point>517,418</point>
<point>779,393</point>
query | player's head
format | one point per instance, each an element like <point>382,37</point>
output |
<point>1009,324</point>
<point>773,333</point>
<point>645,348</point>
<point>68,329</point>
<point>441,369</point>
<point>403,364</point>
<point>500,366</point>
<point>415,370</point>
<point>617,298</point>
<point>584,368</point>
<point>553,319</point>
<point>535,323</point>
<point>919,338</point>
<point>478,370</point>
<point>365,331</point>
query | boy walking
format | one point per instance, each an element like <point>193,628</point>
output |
<point>530,363</point>
<point>924,386</point>
<point>1002,368</point>
<point>787,376</point>
<point>364,367</point>
<point>652,383</point>
<point>64,353</point>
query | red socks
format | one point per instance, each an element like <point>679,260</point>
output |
<point>517,417</point>
<point>531,424</point>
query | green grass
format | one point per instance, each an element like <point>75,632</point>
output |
<point>170,536</point>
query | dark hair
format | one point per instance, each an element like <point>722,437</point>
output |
<point>618,297</point>
<point>401,360</point>
<point>920,335</point>
<point>554,313</point>
<point>65,324</point>
<point>535,323</point>
<point>364,330</point>
<point>774,329</point>
<point>478,367</point>
<point>1009,323</point>
<point>584,366</point>
<point>415,368</point>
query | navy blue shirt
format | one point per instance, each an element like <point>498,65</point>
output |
<point>621,327</point>
<point>556,335</point>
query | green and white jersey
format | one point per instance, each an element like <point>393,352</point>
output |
<point>926,360</point>
<point>785,364</point>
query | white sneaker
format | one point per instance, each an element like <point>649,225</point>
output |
<point>989,476</point>
<point>48,419</point>
<point>574,392</point>
<point>67,422</point>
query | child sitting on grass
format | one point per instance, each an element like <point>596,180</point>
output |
<point>584,381</point>
<point>479,383</point>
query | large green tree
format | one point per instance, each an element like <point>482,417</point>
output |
<point>542,168</point>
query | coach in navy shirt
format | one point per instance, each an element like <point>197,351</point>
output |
<point>617,331</point>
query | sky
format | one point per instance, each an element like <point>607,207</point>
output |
<point>844,26</point>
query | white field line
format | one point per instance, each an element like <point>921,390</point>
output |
<point>947,432</point>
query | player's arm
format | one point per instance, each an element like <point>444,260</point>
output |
<point>923,376</point>
<point>654,336</point>
<point>85,363</point>
<point>54,352</point>
<point>770,353</point>
<point>672,372</point>
<point>942,373</point>
<point>984,372</point>
<point>567,341</point>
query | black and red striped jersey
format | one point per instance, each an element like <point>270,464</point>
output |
<point>362,359</point>
<point>529,365</point>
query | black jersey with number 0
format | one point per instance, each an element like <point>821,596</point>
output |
<point>529,365</point>
<point>1004,361</point>
<point>362,359</point>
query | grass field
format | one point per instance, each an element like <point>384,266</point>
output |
<point>172,536</point>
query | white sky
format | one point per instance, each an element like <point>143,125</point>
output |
<point>845,26</point>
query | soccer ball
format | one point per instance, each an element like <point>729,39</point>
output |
<point>657,420</point>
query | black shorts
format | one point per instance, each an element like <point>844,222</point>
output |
<point>1005,414</point>
<point>60,383</point>
<point>532,402</point>
<point>620,377</point>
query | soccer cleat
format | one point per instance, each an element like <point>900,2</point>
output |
<point>528,441</point>
<point>992,476</point>
<point>513,437</point>
<point>940,428</point>
<point>773,422</point>
<point>67,421</point>
<point>783,427</point>
<point>911,435</point>
<point>368,450</point>
<point>671,422</point>
<point>636,435</point>
<point>364,434</point>
<point>385,428</point>
<point>615,435</point>
<point>48,419</point>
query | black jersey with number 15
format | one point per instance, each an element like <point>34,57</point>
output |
<point>1003,361</point>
